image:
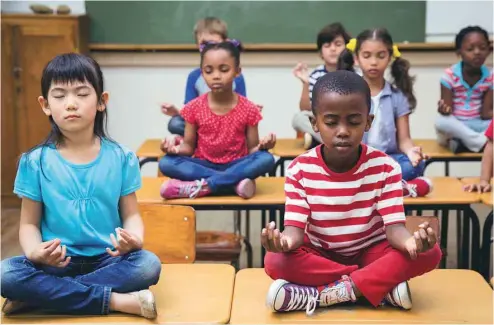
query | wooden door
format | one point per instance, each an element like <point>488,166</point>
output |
<point>30,44</point>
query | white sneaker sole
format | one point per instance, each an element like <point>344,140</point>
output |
<point>273,292</point>
<point>402,295</point>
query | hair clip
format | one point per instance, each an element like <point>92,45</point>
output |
<point>235,42</point>
<point>352,45</point>
<point>204,44</point>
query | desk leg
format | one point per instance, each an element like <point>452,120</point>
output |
<point>444,235</point>
<point>470,214</point>
<point>485,257</point>
<point>146,160</point>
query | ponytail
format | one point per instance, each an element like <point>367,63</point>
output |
<point>346,61</point>
<point>403,81</point>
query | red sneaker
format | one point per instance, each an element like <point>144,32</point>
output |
<point>418,187</point>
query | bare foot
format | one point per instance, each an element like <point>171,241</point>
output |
<point>169,109</point>
<point>137,303</point>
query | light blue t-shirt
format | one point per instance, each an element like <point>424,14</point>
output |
<point>80,201</point>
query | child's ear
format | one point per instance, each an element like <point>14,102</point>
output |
<point>44,105</point>
<point>239,71</point>
<point>103,101</point>
<point>312,120</point>
<point>368,124</point>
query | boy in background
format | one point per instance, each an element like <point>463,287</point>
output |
<point>209,29</point>
<point>331,41</point>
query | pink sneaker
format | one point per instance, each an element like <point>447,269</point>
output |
<point>246,188</point>
<point>174,189</point>
<point>418,187</point>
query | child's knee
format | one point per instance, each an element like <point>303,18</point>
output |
<point>176,125</point>
<point>167,164</point>
<point>275,265</point>
<point>431,258</point>
<point>265,159</point>
<point>148,267</point>
<point>9,275</point>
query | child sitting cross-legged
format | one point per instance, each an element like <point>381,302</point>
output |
<point>220,133</point>
<point>345,237</point>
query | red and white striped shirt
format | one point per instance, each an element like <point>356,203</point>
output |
<point>344,212</point>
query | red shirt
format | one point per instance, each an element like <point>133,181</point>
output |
<point>344,212</point>
<point>488,132</point>
<point>221,138</point>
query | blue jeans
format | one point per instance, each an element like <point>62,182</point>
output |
<point>82,287</point>
<point>218,176</point>
<point>408,172</point>
<point>176,125</point>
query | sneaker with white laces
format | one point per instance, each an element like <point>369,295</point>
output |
<point>418,187</point>
<point>400,296</point>
<point>284,296</point>
<point>174,189</point>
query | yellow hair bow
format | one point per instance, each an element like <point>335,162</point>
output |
<point>396,52</point>
<point>352,45</point>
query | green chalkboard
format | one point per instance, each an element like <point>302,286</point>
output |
<point>254,22</point>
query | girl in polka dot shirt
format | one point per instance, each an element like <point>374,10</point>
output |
<point>221,150</point>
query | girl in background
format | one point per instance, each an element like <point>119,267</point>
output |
<point>221,133</point>
<point>465,107</point>
<point>392,103</point>
<point>80,227</point>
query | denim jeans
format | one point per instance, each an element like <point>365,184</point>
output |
<point>408,172</point>
<point>176,125</point>
<point>218,176</point>
<point>84,286</point>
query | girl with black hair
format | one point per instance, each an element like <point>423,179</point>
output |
<point>221,150</point>
<point>78,200</point>
<point>465,108</point>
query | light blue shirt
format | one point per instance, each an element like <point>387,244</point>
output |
<point>382,134</point>
<point>80,201</point>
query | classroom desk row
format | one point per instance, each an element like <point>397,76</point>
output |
<point>288,149</point>
<point>214,294</point>
<point>447,195</point>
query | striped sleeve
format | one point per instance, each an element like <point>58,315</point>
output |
<point>313,77</point>
<point>447,79</point>
<point>297,209</point>
<point>390,202</point>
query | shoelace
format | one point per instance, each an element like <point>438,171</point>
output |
<point>301,296</point>
<point>412,188</point>
<point>329,296</point>
<point>191,189</point>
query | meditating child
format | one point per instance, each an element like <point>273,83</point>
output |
<point>345,235</point>
<point>221,133</point>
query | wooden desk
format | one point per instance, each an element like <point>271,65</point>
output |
<point>270,196</point>
<point>149,151</point>
<point>438,153</point>
<point>439,297</point>
<point>288,149</point>
<point>186,293</point>
<point>269,193</point>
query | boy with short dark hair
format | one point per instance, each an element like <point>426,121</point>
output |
<point>331,41</point>
<point>209,29</point>
<point>345,234</point>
